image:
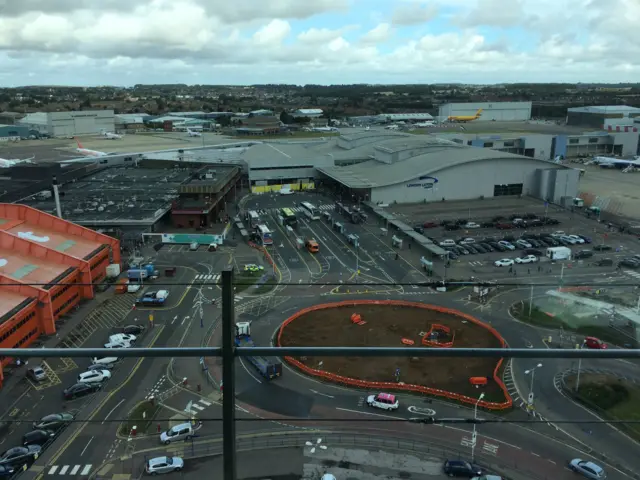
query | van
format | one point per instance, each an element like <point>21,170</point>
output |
<point>183,431</point>
<point>194,246</point>
<point>312,246</point>
<point>212,247</point>
<point>558,253</point>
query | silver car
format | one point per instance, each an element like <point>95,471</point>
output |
<point>587,469</point>
<point>164,465</point>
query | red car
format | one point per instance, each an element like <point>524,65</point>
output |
<point>504,226</point>
<point>429,225</point>
<point>594,343</point>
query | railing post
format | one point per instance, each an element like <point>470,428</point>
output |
<point>228,376</point>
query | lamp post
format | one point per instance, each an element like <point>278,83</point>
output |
<point>473,436</point>
<point>531,371</point>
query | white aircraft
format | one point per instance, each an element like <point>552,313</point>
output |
<point>110,135</point>
<point>194,134</point>
<point>87,152</point>
<point>8,163</point>
<point>325,129</point>
<point>425,124</point>
<point>614,162</point>
<point>392,127</point>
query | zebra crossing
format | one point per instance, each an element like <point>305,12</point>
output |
<point>194,408</point>
<point>69,469</point>
<point>208,278</point>
<point>322,208</point>
<point>633,274</point>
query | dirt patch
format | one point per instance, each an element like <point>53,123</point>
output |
<point>387,326</point>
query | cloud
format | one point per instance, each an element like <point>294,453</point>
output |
<point>413,14</point>
<point>323,35</point>
<point>273,34</point>
<point>376,35</point>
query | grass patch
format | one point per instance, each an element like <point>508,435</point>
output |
<point>611,398</point>
<point>244,280</point>
<point>265,287</point>
<point>568,322</point>
<point>141,417</point>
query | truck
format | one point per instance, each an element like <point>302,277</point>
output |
<point>143,273</point>
<point>559,253</point>
<point>266,367</point>
<point>153,298</point>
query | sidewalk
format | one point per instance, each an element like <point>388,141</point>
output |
<point>15,383</point>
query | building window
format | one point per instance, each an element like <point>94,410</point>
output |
<point>573,141</point>
<point>16,327</point>
<point>488,144</point>
<point>65,304</point>
<point>593,140</point>
<point>507,189</point>
<point>509,144</point>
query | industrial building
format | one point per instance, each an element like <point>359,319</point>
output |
<point>408,169</point>
<point>11,132</point>
<point>491,111</point>
<point>65,124</point>
<point>403,117</point>
<point>547,147</point>
<point>308,112</point>
<point>603,116</point>
<point>47,267</point>
<point>130,121</point>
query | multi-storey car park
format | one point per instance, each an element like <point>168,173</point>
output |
<point>47,267</point>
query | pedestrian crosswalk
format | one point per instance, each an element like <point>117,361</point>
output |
<point>237,299</point>
<point>69,469</point>
<point>633,274</point>
<point>322,208</point>
<point>475,263</point>
<point>208,278</point>
<point>196,407</point>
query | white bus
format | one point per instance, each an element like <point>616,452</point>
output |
<point>310,211</point>
<point>265,235</point>
<point>253,218</point>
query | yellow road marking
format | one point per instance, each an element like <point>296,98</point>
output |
<point>73,437</point>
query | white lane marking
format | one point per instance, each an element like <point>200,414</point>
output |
<point>247,370</point>
<point>85,448</point>
<point>323,394</point>
<point>63,470</point>
<point>198,407</point>
<point>74,470</point>
<point>53,469</point>
<point>205,403</point>
<point>368,413</point>
<point>112,410</point>
<point>86,470</point>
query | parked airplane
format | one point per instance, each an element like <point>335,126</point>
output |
<point>110,135</point>
<point>325,129</point>
<point>425,124</point>
<point>8,163</point>
<point>87,152</point>
<point>392,127</point>
<point>465,118</point>
<point>609,162</point>
<point>194,134</point>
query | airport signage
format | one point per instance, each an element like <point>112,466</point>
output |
<point>424,182</point>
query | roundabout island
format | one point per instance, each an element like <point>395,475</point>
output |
<point>393,323</point>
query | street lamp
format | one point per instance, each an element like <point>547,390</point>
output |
<point>531,371</point>
<point>473,436</point>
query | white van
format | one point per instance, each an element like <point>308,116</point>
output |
<point>286,191</point>
<point>558,253</point>
<point>183,431</point>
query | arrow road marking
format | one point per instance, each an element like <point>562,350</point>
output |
<point>174,319</point>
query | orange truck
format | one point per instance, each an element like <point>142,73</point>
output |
<point>312,245</point>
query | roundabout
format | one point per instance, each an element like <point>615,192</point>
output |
<point>392,323</point>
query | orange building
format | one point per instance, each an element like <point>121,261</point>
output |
<point>47,266</point>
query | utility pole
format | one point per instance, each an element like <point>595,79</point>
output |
<point>228,376</point>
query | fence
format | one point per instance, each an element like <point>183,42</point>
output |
<point>508,403</point>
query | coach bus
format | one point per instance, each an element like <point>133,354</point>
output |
<point>253,218</point>
<point>288,217</point>
<point>264,235</point>
<point>310,211</point>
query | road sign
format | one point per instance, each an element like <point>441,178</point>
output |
<point>530,399</point>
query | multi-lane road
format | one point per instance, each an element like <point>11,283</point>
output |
<point>93,444</point>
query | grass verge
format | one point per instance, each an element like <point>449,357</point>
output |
<point>245,280</point>
<point>569,323</point>
<point>141,417</point>
<point>265,287</point>
<point>610,397</point>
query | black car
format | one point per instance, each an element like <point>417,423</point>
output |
<point>629,263</point>
<point>419,229</point>
<point>55,421</point>
<point>37,437</point>
<point>80,390</point>
<point>583,254</point>
<point>451,226</point>
<point>488,247</point>
<point>132,330</point>
<point>551,221</point>
<point>533,251</point>
<point>19,456</point>
<point>460,468</point>
<point>602,247</point>
<point>6,471</point>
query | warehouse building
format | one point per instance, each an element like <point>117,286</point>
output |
<point>409,169</point>
<point>491,111</point>
<point>548,147</point>
<point>404,117</point>
<point>47,267</point>
<point>602,116</point>
<point>65,124</point>
<point>13,132</point>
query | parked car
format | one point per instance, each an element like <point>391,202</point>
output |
<point>527,259</point>
<point>451,227</point>
<point>37,437</point>
<point>628,263</point>
<point>604,262</point>
<point>460,468</point>
<point>98,366</point>
<point>7,471</point>
<point>429,224</point>
<point>503,262</point>
<point>80,390</point>
<point>385,401</point>
<point>122,337</point>
<point>587,469</point>
<point>418,229</point>
<point>523,243</point>
<point>577,238</point>
<point>94,376</point>
<point>594,343</point>
<point>19,456</point>
<point>132,330</point>
<point>602,247</point>
<point>471,225</point>
<point>164,465</point>
<point>55,421</point>
<point>504,226</point>
<point>533,251</point>
<point>37,374</point>
<point>466,241</point>
<point>506,245</point>
<point>585,238</point>
<point>583,254</point>
<point>448,243</point>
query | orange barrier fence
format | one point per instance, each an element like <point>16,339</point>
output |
<point>436,327</point>
<point>264,251</point>
<point>508,403</point>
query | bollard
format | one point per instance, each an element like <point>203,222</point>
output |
<point>184,382</point>
<point>159,428</point>
<point>199,388</point>
<point>152,400</point>
<point>134,430</point>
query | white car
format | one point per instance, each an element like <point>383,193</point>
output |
<point>467,241</point>
<point>94,376</point>
<point>385,401</point>
<point>527,259</point>
<point>557,234</point>
<point>133,287</point>
<point>471,225</point>
<point>117,344</point>
<point>567,238</point>
<point>503,262</point>
<point>506,245</point>
<point>122,338</point>
<point>578,239</point>
<point>448,243</point>
<point>523,243</point>
<point>164,465</point>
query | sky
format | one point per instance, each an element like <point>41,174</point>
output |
<point>242,42</point>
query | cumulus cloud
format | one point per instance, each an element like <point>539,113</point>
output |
<point>200,41</point>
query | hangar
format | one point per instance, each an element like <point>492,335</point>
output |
<point>63,124</point>
<point>491,111</point>
<point>47,266</point>
<point>408,169</point>
<point>602,115</point>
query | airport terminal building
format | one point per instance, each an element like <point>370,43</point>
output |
<point>491,111</point>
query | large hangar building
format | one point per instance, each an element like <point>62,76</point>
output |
<point>491,111</point>
<point>409,169</point>
<point>65,124</point>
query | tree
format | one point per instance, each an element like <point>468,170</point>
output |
<point>286,118</point>
<point>86,102</point>
<point>224,121</point>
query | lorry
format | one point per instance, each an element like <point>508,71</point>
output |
<point>153,298</point>
<point>559,253</point>
<point>146,272</point>
<point>268,368</point>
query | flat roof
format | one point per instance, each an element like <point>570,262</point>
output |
<point>70,244</point>
<point>29,269</point>
<point>10,300</point>
<point>605,109</point>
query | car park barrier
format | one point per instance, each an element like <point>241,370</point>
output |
<point>507,404</point>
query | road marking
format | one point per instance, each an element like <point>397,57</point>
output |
<point>422,411</point>
<point>535,454</point>
<point>323,394</point>
<point>247,370</point>
<point>75,469</point>
<point>86,470</point>
<point>64,469</point>
<point>205,403</point>
<point>53,469</point>
<point>369,413</point>
<point>197,407</point>
<point>85,448</point>
<point>174,319</point>
<point>112,410</point>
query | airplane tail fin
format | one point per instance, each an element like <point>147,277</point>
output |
<point>478,112</point>
<point>78,142</point>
